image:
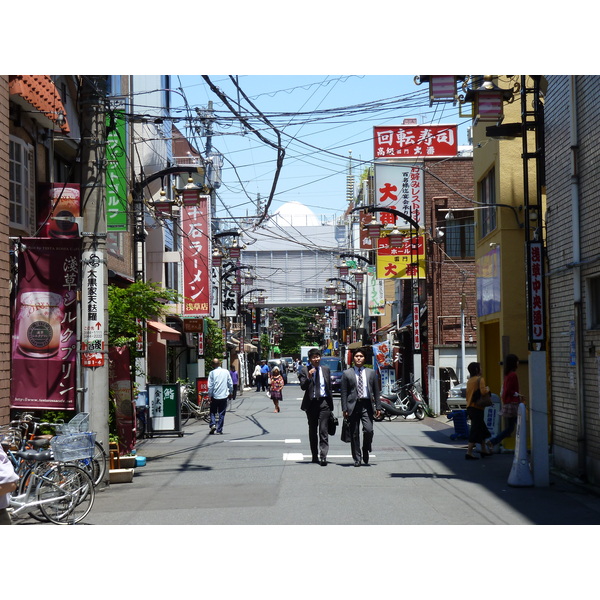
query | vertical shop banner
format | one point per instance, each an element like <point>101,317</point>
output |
<point>415,141</point>
<point>120,386</point>
<point>92,310</point>
<point>416,327</point>
<point>44,343</point>
<point>406,262</point>
<point>376,293</point>
<point>536,308</point>
<point>58,206</point>
<point>195,223</point>
<point>400,187</point>
<point>116,170</point>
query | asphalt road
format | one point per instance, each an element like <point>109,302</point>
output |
<point>260,472</point>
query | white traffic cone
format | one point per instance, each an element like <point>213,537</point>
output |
<point>520,474</point>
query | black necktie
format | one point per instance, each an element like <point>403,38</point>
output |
<point>317,384</point>
<point>360,384</point>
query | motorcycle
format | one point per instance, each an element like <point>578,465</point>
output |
<point>405,400</point>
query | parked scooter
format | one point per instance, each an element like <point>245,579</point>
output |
<point>405,400</point>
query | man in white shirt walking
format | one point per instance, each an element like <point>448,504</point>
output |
<point>220,388</point>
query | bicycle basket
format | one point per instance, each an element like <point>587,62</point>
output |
<point>80,423</point>
<point>73,447</point>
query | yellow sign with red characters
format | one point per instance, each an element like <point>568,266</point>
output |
<point>405,262</point>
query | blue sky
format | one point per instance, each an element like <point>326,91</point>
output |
<point>317,148</point>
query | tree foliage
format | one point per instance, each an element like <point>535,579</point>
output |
<point>296,323</point>
<point>214,347</point>
<point>140,300</point>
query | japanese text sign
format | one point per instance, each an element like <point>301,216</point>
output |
<point>415,141</point>
<point>536,293</point>
<point>399,187</point>
<point>44,343</point>
<point>195,223</point>
<point>92,310</point>
<point>406,262</point>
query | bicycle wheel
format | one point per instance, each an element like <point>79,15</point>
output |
<point>99,462</point>
<point>205,409</point>
<point>185,413</point>
<point>28,478</point>
<point>67,494</point>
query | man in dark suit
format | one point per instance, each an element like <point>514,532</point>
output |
<point>317,402</point>
<point>359,392</point>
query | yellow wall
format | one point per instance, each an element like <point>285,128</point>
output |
<point>504,331</point>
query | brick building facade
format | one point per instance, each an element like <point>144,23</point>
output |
<point>571,113</point>
<point>451,262</point>
<point>4,256</point>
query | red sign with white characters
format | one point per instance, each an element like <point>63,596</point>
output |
<point>536,293</point>
<point>195,224</point>
<point>415,141</point>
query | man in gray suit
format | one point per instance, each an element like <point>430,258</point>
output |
<point>360,391</point>
<point>317,402</point>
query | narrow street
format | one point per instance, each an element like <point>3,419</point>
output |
<point>259,472</point>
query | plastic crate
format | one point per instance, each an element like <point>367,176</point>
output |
<point>461,426</point>
<point>80,423</point>
<point>73,447</point>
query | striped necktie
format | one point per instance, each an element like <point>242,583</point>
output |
<point>360,384</point>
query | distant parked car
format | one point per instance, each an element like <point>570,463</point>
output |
<point>290,363</point>
<point>336,369</point>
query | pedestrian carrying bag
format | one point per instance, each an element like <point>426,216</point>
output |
<point>333,423</point>
<point>481,400</point>
<point>346,431</point>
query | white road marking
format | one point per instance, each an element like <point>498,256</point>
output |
<point>298,456</point>
<point>288,441</point>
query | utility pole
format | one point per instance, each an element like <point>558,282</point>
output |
<point>94,266</point>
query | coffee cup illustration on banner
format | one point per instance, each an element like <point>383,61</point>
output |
<point>39,323</point>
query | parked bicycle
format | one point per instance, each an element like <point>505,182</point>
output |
<point>198,411</point>
<point>29,429</point>
<point>61,490</point>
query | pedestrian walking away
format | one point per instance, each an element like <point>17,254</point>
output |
<point>265,372</point>
<point>235,379</point>
<point>317,402</point>
<point>511,398</point>
<point>277,384</point>
<point>360,404</point>
<point>257,375</point>
<point>220,388</point>
<point>478,433</point>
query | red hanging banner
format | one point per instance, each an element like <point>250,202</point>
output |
<point>195,224</point>
<point>44,342</point>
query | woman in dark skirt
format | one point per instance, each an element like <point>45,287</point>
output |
<point>276,388</point>
<point>478,433</point>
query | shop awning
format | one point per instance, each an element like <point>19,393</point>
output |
<point>166,333</point>
<point>40,92</point>
<point>250,348</point>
